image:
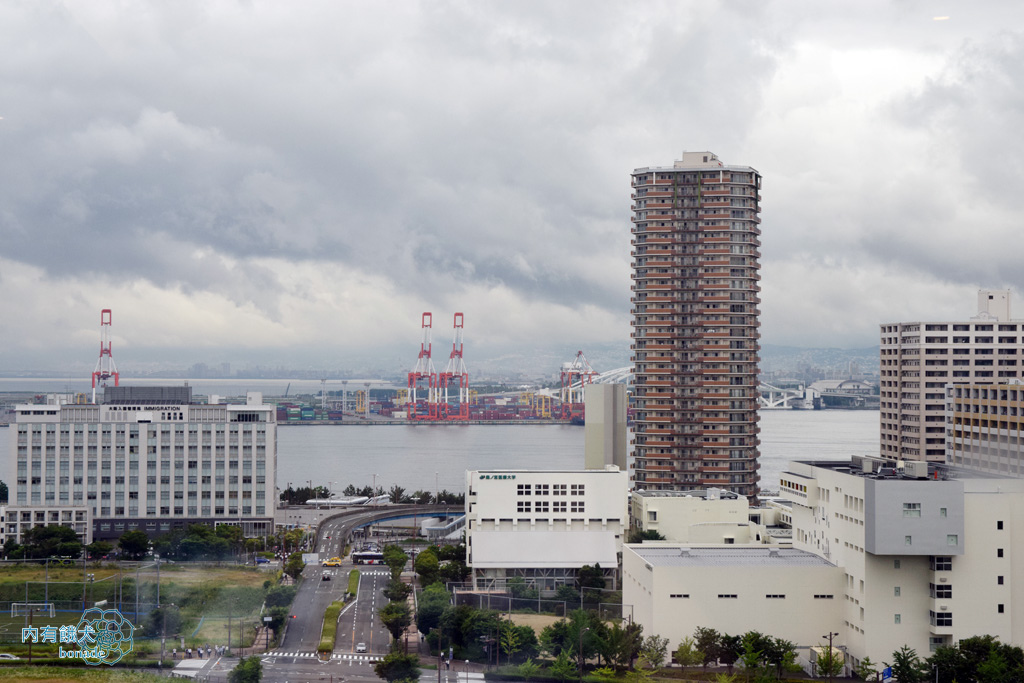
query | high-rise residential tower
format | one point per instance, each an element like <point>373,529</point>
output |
<point>919,359</point>
<point>695,324</point>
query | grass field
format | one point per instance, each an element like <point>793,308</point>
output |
<point>49,674</point>
<point>205,595</point>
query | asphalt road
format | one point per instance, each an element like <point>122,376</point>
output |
<point>359,623</point>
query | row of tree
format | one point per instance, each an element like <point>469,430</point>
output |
<point>980,658</point>
<point>396,494</point>
<point>58,541</point>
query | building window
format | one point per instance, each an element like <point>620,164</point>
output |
<point>896,618</point>
<point>999,525</point>
<point>895,564</point>
<point>652,515</point>
<point>896,591</point>
<point>952,539</point>
<point>999,608</point>
<point>540,490</point>
<point>938,590</point>
<point>577,506</point>
<point>999,552</point>
<point>523,506</point>
<point>679,595</point>
<point>942,563</point>
<point>775,596</point>
<point>942,512</point>
<point>911,510</point>
<point>729,596</point>
<point>523,489</point>
<point>823,597</point>
<point>908,540</point>
<point>577,489</point>
<point>999,580</point>
<point>941,618</point>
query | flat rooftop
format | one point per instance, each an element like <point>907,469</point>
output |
<point>722,556</point>
<point>858,466</point>
<point>710,494</point>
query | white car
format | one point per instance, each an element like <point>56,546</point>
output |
<point>4,655</point>
<point>361,647</point>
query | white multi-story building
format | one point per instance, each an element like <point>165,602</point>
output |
<point>147,459</point>
<point>925,555</point>
<point>918,360</point>
<point>543,525</point>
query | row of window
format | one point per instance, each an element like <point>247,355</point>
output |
<point>552,489</point>
<point>555,506</point>
<point>768,596</point>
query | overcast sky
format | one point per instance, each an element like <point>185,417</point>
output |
<point>298,181</point>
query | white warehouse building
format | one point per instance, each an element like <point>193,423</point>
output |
<point>543,525</point>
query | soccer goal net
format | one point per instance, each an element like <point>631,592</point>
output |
<point>19,609</point>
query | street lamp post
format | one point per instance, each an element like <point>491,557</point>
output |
<point>831,661</point>
<point>582,631</point>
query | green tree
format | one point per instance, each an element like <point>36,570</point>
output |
<point>280,596</point>
<point>431,605</point>
<point>98,549</point>
<point>396,590</point>
<point>53,540</point>
<point>510,639</point>
<point>562,668</point>
<point>780,653</point>
<point>396,618</point>
<point>293,567</point>
<point>706,641</point>
<point>654,650</point>
<point>528,669</point>
<point>686,654</point>
<point>729,650</point>
<point>396,559</point>
<point>830,662</point>
<point>907,666</point>
<point>397,495</point>
<point>3,493</point>
<point>453,571</point>
<point>866,670</point>
<point>134,544</point>
<point>163,620</point>
<point>427,567</point>
<point>641,535</point>
<point>248,670</point>
<point>398,667</point>
<point>750,657</point>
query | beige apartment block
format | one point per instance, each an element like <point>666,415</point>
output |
<point>984,428</point>
<point>695,324</point>
<point>918,360</point>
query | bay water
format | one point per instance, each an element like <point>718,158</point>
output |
<point>425,457</point>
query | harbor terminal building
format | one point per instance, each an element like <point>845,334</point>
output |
<point>146,458</point>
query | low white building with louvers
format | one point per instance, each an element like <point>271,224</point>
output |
<point>543,525</point>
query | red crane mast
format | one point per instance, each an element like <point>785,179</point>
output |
<point>420,407</point>
<point>105,367</point>
<point>456,375</point>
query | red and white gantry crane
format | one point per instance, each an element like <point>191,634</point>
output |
<point>457,376</point>
<point>423,407</point>
<point>105,367</point>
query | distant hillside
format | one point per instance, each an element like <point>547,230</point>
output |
<point>793,360</point>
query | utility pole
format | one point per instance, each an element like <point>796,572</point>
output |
<point>831,661</point>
